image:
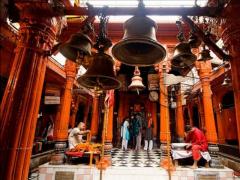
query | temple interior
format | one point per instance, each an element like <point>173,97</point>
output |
<point>165,63</point>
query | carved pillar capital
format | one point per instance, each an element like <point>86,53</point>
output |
<point>70,69</point>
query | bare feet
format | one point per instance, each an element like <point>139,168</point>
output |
<point>207,165</point>
<point>176,163</point>
<point>194,167</point>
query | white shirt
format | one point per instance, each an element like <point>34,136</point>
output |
<point>74,138</point>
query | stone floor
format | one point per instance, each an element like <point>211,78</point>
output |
<point>131,158</point>
<point>131,165</point>
<point>84,172</point>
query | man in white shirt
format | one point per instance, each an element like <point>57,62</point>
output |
<point>75,136</point>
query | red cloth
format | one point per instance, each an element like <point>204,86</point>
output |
<point>74,154</point>
<point>198,141</point>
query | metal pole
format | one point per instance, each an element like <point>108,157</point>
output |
<point>106,109</point>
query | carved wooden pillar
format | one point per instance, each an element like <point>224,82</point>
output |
<point>231,39</point>
<point>60,133</point>
<point>95,118</point>
<point>109,128</point>
<point>21,100</point>
<point>74,112</point>
<point>204,71</point>
<point>165,137</point>
<point>179,114</point>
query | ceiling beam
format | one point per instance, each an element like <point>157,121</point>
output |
<point>120,11</point>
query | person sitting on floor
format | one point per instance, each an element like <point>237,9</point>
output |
<point>75,136</point>
<point>198,145</point>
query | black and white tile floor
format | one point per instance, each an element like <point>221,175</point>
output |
<point>132,158</point>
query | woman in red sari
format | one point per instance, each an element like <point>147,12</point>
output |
<point>198,143</point>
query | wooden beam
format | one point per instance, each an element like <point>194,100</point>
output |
<point>212,46</point>
<point>119,11</point>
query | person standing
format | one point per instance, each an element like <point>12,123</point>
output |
<point>138,131</point>
<point>125,134</point>
<point>148,143</point>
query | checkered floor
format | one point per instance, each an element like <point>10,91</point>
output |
<point>132,158</point>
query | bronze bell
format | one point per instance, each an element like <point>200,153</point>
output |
<point>136,84</point>
<point>139,46</point>
<point>227,82</point>
<point>204,55</point>
<point>183,56</point>
<point>100,74</point>
<point>78,43</point>
<point>180,71</point>
<point>194,41</point>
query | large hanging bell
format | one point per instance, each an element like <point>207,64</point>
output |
<point>79,43</point>
<point>100,74</point>
<point>183,56</point>
<point>136,84</point>
<point>139,46</point>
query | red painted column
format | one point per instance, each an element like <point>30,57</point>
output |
<point>95,118</point>
<point>231,39</point>
<point>60,133</point>
<point>86,111</point>
<point>165,136</point>
<point>21,100</point>
<point>221,135</point>
<point>109,128</point>
<point>74,112</point>
<point>179,114</point>
<point>201,113</point>
<point>189,107</point>
<point>204,72</point>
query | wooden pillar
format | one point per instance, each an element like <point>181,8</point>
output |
<point>60,133</point>
<point>201,113</point>
<point>154,118</point>
<point>74,112</point>
<point>86,111</point>
<point>21,100</point>
<point>95,118</point>
<point>231,36</point>
<point>179,114</point>
<point>189,107</point>
<point>217,109</point>
<point>204,72</point>
<point>165,137</point>
<point>109,127</point>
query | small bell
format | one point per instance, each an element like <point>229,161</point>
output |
<point>136,84</point>
<point>227,81</point>
<point>204,55</point>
